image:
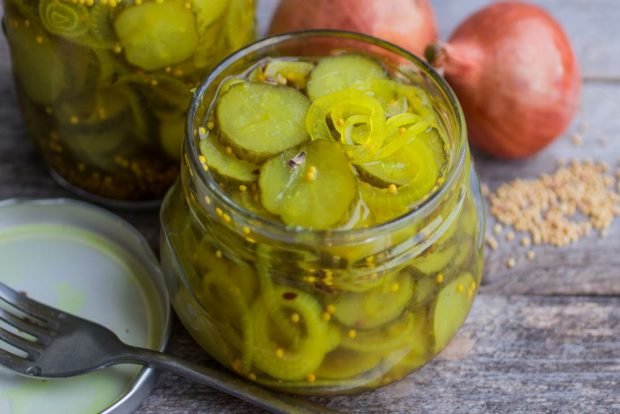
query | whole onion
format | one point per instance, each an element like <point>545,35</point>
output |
<point>407,23</point>
<point>516,76</point>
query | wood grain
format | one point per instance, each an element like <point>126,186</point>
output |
<point>542,337</point>
<point>520,354</point>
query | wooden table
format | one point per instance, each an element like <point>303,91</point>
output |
<point>542,337</point>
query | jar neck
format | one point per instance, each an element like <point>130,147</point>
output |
<point>390,245</point>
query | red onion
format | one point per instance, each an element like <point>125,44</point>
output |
<point>407,23</point>
<point>516,76</point>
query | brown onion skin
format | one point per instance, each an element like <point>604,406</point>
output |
<point>407,23</point>
<point>516,76</point>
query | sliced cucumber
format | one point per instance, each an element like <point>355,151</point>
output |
<point>451,309</point>
<point>208,11</point>
<point>336,73</point>
<point>376,307</point>
<point>347,364</point>
<point>155,35</point>
<point>240,24</point>
<point>384,340</point>
<point>37,64</point>
<point>227,165</point>
<point>263,119</point>
<point>301,357</point>
<point>165,94</point>
<point>106,126</point>
<point>211,45</point>
<point>312,186</point>
<point>171,134</point>
<point>435,261</point>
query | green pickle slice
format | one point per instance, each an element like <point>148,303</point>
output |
<point>155,35</point>
<point>226,164</point>
<point>311,186</point>
<point>37,64</point>
<point>274,355</point>
<point>336,73</point>
<point>376,307</point>
<point>451,308</point>
<point>262,119</point>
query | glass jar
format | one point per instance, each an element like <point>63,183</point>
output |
<point>323,312</point>
<point>104,85</point>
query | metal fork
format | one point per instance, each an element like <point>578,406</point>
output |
<point>63,345</point>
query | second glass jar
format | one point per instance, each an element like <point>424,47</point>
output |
<point>104,86</point>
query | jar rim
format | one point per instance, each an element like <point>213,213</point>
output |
<point>287,233</point>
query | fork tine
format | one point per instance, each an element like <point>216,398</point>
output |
<point>14,362</point>
<point>33,349</point>
<point>43,335</point>
<point>29,306</point>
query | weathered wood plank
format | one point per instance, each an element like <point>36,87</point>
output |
<point>514,354</point>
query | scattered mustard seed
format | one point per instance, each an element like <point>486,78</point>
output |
<point>559,208</point>
<point>511,263</point>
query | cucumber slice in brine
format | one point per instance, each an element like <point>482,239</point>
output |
<point>312,186</point>
<point>261,119</point>
<point>171,133</point>
<point>376,307</point>
<point>155,35</point>
<point>207,11</point>
<point>451,308</point>
<point>336,73</point>
<point>37,64</point>
<point>226,164</point>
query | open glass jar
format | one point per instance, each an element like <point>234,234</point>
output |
<point>332,311</point>
<point>104,86</point>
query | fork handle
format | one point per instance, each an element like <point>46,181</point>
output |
<point>278,403</point>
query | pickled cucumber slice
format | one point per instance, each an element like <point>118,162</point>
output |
<point>384,340</point>
<point>347,364</point>
<point>171,134</point>
<point>336,73</point>
<point>378,306</point>
<point>207,11</point>
<point>155,35</point>
<point>312,186</point>
<point>37,65</point>
<point>165,94</point>
<point>105,126</point>
<point>263,119</point>
<point>239,24</point>
<point>212,43</point>
<point>451,308</point>
<point>435,261</point>
<point>289,361</point>
<point>227,164</point>
<point>227,308</point>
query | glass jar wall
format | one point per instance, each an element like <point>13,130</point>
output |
<point>104,86</point>
<point>323,312</point>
